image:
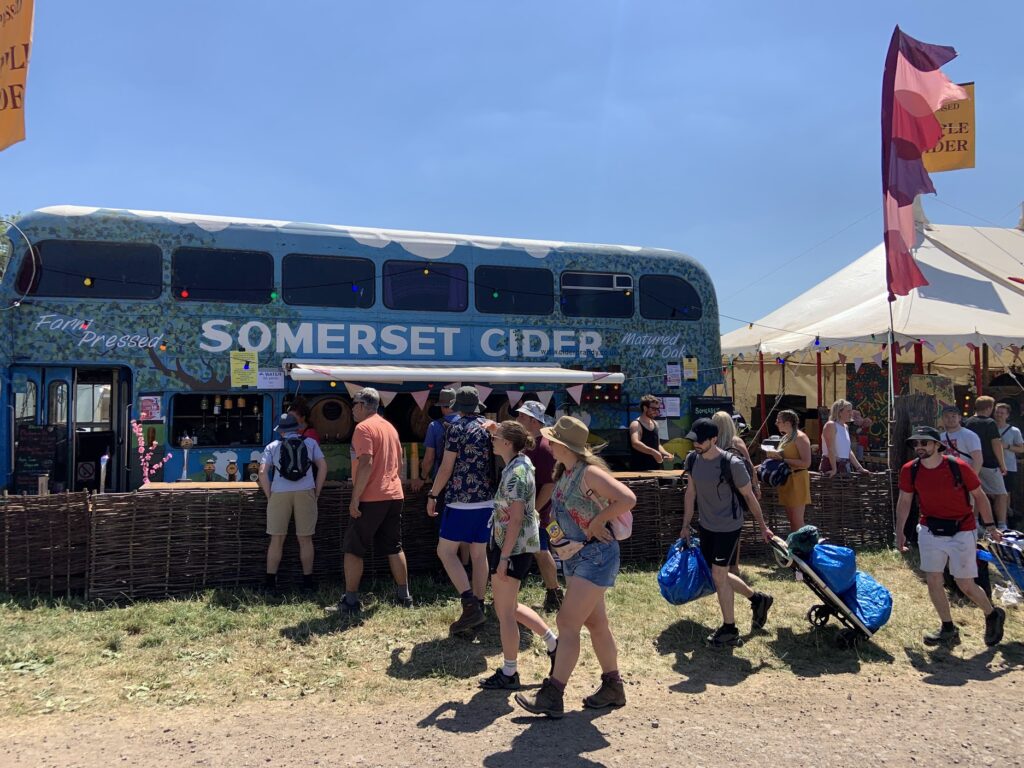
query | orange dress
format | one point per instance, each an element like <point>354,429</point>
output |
<point>797,489</point>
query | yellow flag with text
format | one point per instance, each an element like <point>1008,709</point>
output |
<point>955,149</point>
<point>15,46</point>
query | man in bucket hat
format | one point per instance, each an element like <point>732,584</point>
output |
<point>466,476</point>
<point>293,491</point>
<point>944,486</point>
<point>532,416</point>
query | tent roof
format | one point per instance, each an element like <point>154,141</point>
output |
<point>969,299</point>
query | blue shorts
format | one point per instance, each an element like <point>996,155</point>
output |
<point>545,540</point>
<point>468,525</point>
<point>597,562</point>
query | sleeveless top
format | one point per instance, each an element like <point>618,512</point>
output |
<point>842,441</point>
<point>571,508</point>
<point>641,461</point>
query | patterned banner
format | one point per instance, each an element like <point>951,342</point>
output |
<point>15,46</point>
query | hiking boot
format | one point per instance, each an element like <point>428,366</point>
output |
<point>553,600</point>
<point>945,636</point>
<point>472,617</point>
<point>546,701</point>
<point>499,681</point>
<point>404,602</point>
<point>348,610</point>
<point>724,637</point>
<point>759,605</point>
<point>611,694</point>
<point>994,626</point>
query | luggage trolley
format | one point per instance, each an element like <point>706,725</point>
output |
<point>819,615</point>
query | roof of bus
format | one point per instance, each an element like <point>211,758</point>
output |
<point>430,245</point>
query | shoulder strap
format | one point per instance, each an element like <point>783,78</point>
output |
<point>1008,428</point>
<point>690,459</point>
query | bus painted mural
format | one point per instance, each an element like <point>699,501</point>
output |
<point>114,316</point>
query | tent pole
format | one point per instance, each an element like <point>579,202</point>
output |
<point>761,430</point>
<point>977,372</point>
<point>818,370</point>
<point>918,357</point>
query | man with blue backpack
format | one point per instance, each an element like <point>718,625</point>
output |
<point>293,491</point>
<point>719,487</point>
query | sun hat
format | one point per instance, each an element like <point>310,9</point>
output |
<point>927,433</point>
<point>467,400</point>
<point>446,398</point>
<point>535,410</point>
<point>287,422</point>
<point>570,432</point>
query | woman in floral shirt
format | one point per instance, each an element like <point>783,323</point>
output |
<point>515,536</point>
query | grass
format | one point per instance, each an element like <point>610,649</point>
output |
<point>220,647</point>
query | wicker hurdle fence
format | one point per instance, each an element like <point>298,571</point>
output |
<point>152,544</point>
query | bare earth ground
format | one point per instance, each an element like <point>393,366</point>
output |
<point>956,712</point>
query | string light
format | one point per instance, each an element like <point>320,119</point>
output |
<point>163,347</point>
<point>87,282</point>
<point>334,384</point>
<point>273,295</point>
<point>426,271</point>
<point>494,295</point>
<point>184,293</point>
<point>817,341</point>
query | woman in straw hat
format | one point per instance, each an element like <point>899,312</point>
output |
<point>585,501</point>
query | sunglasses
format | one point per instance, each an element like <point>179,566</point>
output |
<point>920,443</point>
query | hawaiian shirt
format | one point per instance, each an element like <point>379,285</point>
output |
<point>470,482</point>
<point>517,484</point>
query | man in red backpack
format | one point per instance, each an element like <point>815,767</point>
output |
<point>944,486</point>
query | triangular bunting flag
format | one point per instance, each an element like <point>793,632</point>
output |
<point>877,357</point>
<point>928,344</point>
<point>514,396</point>
<point>421,397</point>
<point>545,397</point>
<point>842,359</point>
<point>483,391</point>
<point>352,388</point>
<point>997,348</point>
<point>576,392</point>
<point>454,385</point>
<point>857,363</point>
<point>896,347</point>
<point>386,397</point>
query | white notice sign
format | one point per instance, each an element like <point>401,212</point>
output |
<point>670,407</point>
<point>673,375</point>
<point>269,379</point>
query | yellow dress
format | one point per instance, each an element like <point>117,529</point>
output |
<point>797,489</point>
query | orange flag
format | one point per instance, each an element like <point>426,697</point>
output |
<point>15,45</point>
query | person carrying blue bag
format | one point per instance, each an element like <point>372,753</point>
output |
<point>722,497</point>
<point>685,576</point>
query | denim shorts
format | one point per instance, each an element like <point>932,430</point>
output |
<point>597,562</point>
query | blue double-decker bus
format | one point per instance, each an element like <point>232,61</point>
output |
<point>117,320</point>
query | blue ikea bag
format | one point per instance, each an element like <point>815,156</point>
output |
<point>869,601</point>
<point>835,565</point>
<point>685,576</point>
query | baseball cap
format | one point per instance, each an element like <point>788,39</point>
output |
<point>701,430</point>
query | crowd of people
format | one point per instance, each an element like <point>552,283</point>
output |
<point>508,494</point>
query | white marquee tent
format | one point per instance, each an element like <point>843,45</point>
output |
<point>971,301</point>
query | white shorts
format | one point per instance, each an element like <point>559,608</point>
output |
<point>960,551</point>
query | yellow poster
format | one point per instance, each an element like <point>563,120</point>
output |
<point>15,45</point>
<point>245,369</point>
<point>955,149</point>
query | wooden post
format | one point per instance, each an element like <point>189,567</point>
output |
<point>977,372</point>
<point>918,357</point>
<point>762,430</point>
<point>817,366</point>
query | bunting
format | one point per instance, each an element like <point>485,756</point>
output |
<point>386,397</point>
<point>545,397</point>
<point>575,392</point>
<point>352,388</point>
<point>483,391</point>
<point>913,89</point>
<point>514,396</point>
<point>421,398</point>
<point>857,363</point>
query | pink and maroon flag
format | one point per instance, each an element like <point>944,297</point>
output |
<point>913,89</point>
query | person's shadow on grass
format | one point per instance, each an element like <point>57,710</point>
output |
<point>701,666</point>
<point>557,742</point>
<point>451,656</point>
<point>327,624</point>
<point>941,667</point>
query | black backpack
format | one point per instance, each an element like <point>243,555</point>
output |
<point>725,476</point>
<point>294,461</point>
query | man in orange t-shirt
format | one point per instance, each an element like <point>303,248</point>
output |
<point>376,507</point>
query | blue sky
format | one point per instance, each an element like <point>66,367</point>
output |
<point>743,134</point>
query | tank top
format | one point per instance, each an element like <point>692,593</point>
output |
<point>641,462</point>
<point>571,508</point>
<point>842,441</point>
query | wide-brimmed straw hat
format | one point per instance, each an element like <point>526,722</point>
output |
<point>570,432</point>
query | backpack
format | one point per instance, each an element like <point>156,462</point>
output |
<point>954,467</point>
<point>294,461</point>
<point>725,476</point>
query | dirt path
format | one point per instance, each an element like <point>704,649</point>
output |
<point>939,719</point>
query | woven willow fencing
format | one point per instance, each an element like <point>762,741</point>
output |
<point>157,543</point>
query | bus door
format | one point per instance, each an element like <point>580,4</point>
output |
<point>101,418</point>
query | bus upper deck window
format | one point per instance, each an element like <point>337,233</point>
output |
<point>92,270</point>
<point>215,274</point>
<point>425,286</point>
<point>597,294</point>
<point>327,281</point>
<point>667,297</point>
<point>514,290</point>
